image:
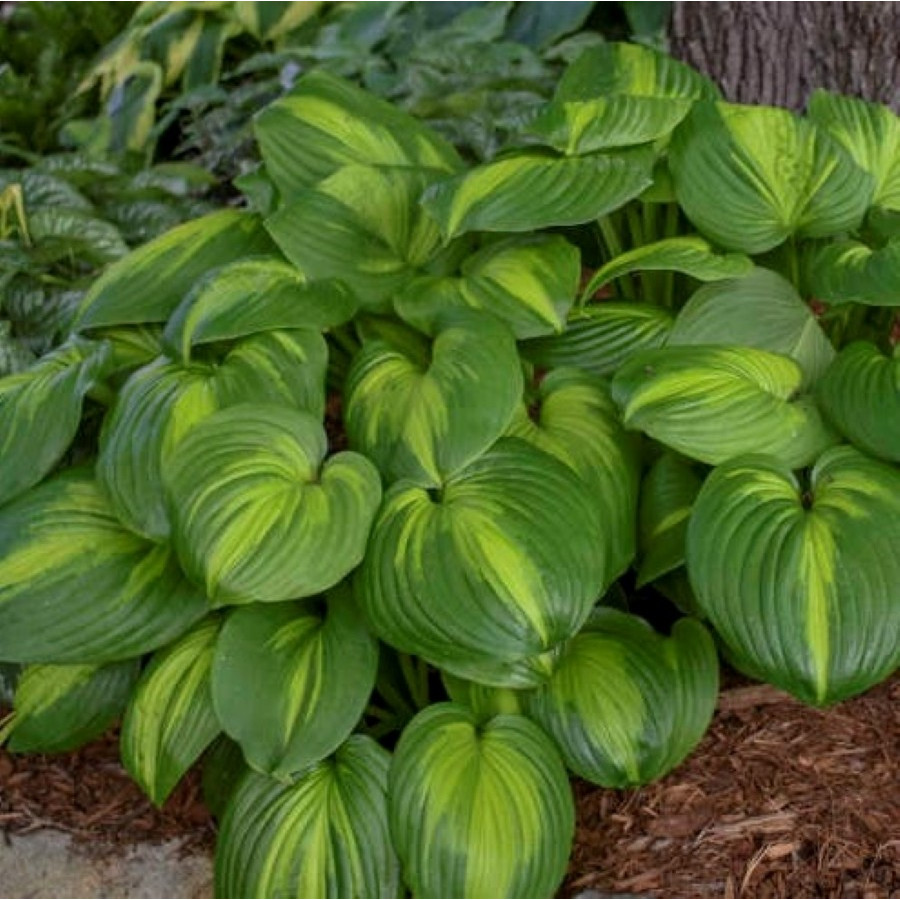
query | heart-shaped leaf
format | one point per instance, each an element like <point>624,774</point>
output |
<point>479,809</point>
<point>76,587</point>
<point>626,705</point>
<point>760,309</point>
<point>170,719</point>
<point>531,190</point>
<point>529,283</point>
<point>258,515</point>
<point>324,835</point>
<point>715,402</point>
<point>255,295</point>
<point>423,412</point>
<point>494,569</point>
<point>290,681</point>
<point>860,394</point>
<point>800,582</point>
<point>40,409</point>
<point>851,272</point>
<point>162,402</point>
<point>749,177</point>
<point>149,283</point>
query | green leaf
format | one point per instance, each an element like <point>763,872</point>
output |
<point>324,835</point>
<point>40,409</point>
<point>161,402</point>
<point>573,418</point>
<point>531,190</point>
<point>479,810</point>
<point>484,576</point>
<point>258,515</point>
<point>269,21</point>
<point>619,68</point>
<point>602,337</point>
<point>223,769</point>
<point>667,495</point>
<point>326,123</point>
<point>423,412</point>
<point>540,25</point>
<point>68,233</point>
<point>750,177</point>
<point>851,272</point>
<point>690,255</point>
<point>131,107</point>
<point>255,295</point>
<point>760,309</point>
<point>484,701</point>
<point>149,283</point>
<point>290,681</point>
<point>362,225</point>
<point>170,719</point>
<point>59,708</point>
<point>132,346</point>
<point>715,402</point>
<point>800,581</point>
<point>626,705</point>
<point>870,133</point>
<point>860,394</point>
<point>529,283</point>
<point>76,587</point>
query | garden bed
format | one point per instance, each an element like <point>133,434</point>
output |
<point>779,800</point>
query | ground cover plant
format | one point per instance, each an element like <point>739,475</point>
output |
<point>646,351</point>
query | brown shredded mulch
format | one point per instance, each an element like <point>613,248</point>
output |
<point>779,800</point>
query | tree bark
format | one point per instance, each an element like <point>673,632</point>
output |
<point>777,53</point>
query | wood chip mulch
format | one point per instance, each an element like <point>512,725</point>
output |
<point>779,800</point>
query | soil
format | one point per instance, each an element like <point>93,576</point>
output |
<point>779,800</point>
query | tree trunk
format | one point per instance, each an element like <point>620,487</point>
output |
<point>777,53</point>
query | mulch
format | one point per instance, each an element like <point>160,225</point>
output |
<point>779,800</point>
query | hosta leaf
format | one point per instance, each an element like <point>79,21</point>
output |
<point>268,21</point>
<point>40,409</point>
<point>255,295</point>
<point>324,835</point>
<point>760,309</point>
<point>749,177</point>
<point>326,123</point>
<point>800,582</point>
<point>479,810</point>
<point>424,412</point>
<point>667,495</point>
<point>531,190</point>
<point>223,769</point>
<point>573,418</point>
<point>870,133</point>
<point>632,69</point>
<point>626,705</point>
<point>690,255</point>
<point>851,272</point>
<point>601,337</point>
<point>606,123</point>
<point>714,402</point>
<point>529,283</point>
<point>76,587</point>
<point>131,346</point>
<point>59,708</point>
<point>484,701</point>
<point>161,402</point>
<point>131,108</point>
<point>149,283</point>
<point>291,680</point>
<point>496,568</point>
<point>258,515</point>
<point>170,719</point>
<point>362,225</point>
<point>860,394</point>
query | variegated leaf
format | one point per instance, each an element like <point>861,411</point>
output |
<point>76,587</point>
<point>323,835</point>
<point>290,681</point>
<point>258,515</point>
<point>850,272</point>
<point>799,579</point>
<point>626,705</point>
<point>479,809</point>
<point>170,718</point>
<point>715,402</point>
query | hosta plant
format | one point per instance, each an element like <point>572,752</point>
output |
<point>600,365</point>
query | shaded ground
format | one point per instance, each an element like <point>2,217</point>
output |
<point>778,801</point>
